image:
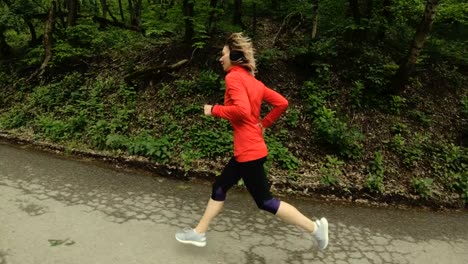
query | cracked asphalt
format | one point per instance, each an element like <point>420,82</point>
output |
<point>57,210</point>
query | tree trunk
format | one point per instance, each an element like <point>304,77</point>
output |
<point>422,32</point>
<point>104,8</point>
<point>237,12</point>
<point>72,6</point>
<point>48,36</point>
<point>136,17</point>
<point>188,17</point>
<point>213,16</point>
<point>275,5</point>
<point>369,8</point>
<point>315,5</point>
<point>130,9</point>
<point>105,22</point>
<point>32,30</point>
<point>354,4</point>
<point>121,11</point>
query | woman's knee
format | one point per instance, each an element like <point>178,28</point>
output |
<point>270,205</point>
<point>218,193</point>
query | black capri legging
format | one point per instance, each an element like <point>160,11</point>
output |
<point>254,177</point>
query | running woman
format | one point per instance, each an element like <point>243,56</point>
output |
<point>242,101</point>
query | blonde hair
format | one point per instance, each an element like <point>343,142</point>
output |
<point>239,42</point>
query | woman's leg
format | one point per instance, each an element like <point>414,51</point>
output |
<point>289,214</point>
<point>228,178</point>
<point>223,183</point>
<point>212,210</point>
<point>257,183</point>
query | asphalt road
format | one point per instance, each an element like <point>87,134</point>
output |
<point>57,210</point>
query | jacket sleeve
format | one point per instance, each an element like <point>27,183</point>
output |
<point>240,107</point>
<point>280,104</point>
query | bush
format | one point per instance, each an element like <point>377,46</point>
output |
<point>206,83</point>
<point>117,142</point>
<point>98,133</point>
<point>316,97</point>
<point>376,173</point>
<point>450,163</point>
<point>55,130</point>
<point>356,94</point>
<point>464,106</point>
<point>331,170</point>
<point>348,141</point>
<point>293,117</point>
<point>421,117</point>
<point>280,155</point>
<point>158,149</point>
<point>268,56</point>
<point>410,152</point>
<point>210,142</point>
<point>423,187</point>
<point>14,118</point>
<point>398,128</point>
<point>397,103</point>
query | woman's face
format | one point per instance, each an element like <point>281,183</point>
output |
<point>224,60</point>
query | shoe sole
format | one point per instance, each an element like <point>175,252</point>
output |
<point>324,222</point>
<point>195,243</point>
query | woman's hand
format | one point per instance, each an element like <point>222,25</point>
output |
<point>261,126</point>
<point>208,109</point>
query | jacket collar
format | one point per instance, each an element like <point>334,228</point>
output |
<point>236,68</point>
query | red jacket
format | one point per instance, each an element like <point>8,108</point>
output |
<point>242,102</point>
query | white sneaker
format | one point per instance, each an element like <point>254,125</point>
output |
<point>321,234</point>
<point>189,236</point>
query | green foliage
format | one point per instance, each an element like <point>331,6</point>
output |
<point>34,57</point>
<point>117,142</point>
<point>399,128</point>
<point>167,25</point>
<point>379,74</point>
<point>207,82</point>
<point>464,106</point>
<point>451,164</point>
<point>331,170</point>
<point>356,94</point>
<point>423,187</point>
<point>98,132</point>
<point>421,117</point>
<point>14,118</point>
<point>372,67</point>
<point>348,141</point>
<point>410,151</point>
<point>210,142</point>
<point>268,56</point>
<point>55,130</point>
<point>281,155</point>
<point>376,173</point>
<point>316,98</point>
<point>293,117</point>
<point>201,36</point>
<point>397,103</point>
<point>323,72</point>
<point>189,157</point>
<point>158,149</point>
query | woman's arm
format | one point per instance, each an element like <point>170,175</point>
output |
<point>280,104</point>
<point>236,91</point>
